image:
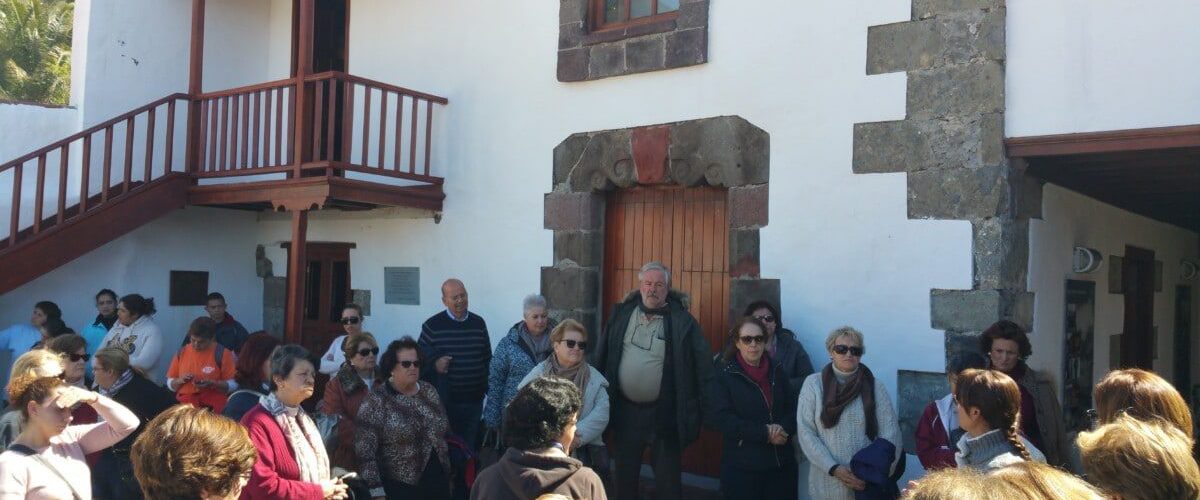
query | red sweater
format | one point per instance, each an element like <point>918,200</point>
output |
<point>276,474</point>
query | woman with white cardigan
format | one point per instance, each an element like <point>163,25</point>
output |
<point>136,333</point>
<point>842,410</point>
<point>569,339</point>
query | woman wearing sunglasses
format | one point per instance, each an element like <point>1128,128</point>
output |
<point>345,392</point>
<point>842,411</point>
<point>73,349</point>
<point>402,426</point>
<point>352,323</point>
<point>752,404</point>
<point>568,361</point>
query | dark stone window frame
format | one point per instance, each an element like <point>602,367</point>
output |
<point>664,41</point>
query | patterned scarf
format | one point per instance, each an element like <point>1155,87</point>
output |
<point>121,382</point>
<point>577,374</point>
<point>304,437</point>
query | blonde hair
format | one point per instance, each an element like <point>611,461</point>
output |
<point>845,331</point>
<point>1142,395</point>
<point>1139,459</point>
<point>350,345</point>
<point>30,367</point>
<point>567,325</point>
<point>186,452</point>
<point>1035,481</point>
<point>949,484</point>
<point>113,359</point>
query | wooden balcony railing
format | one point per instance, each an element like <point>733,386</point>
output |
<point>73,175</point>
<point>247,130</point>
<point>371,127</point>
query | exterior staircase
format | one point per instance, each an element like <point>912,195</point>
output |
<point>76,194</point>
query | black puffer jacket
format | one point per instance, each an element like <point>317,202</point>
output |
<point>686,370</point>
<point>738,409</point>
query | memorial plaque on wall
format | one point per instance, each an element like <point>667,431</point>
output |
<point>189,288</point>
<point>1080,323</point>
<point>402,285</point>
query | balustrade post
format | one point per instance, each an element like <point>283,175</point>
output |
<point>302,142</point>
<point>195,87</point>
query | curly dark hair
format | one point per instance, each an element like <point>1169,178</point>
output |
<point>1007,330</point>
<point>388,361</point>
<point>540,413</point>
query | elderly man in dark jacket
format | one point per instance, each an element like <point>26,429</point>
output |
<point>656,359</point>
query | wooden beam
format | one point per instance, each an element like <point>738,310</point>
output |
<point>1186,136</point>
<point>297,268</point>
<point>302,142</point>
<point>195,88</point>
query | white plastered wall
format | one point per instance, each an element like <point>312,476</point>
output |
<point>1095,65</point>
<point>1071,219</point>
<point>141,262</point>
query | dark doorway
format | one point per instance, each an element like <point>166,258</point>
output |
<point>1183,341</point>
<point>326,292</point>
<point>331,43</point>
<point>1137,283</point>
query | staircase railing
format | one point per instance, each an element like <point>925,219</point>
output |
<point>75,175</point>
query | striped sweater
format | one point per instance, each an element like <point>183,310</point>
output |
<point>470,348</point>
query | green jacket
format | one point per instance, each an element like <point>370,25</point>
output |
<point>687,369</point>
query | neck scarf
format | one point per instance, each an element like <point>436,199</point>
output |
<point>539,346</point>
<point>759,375</point>
<point>121,382</point>
<point>837,397</point>
<point>577,374</point>
<point>303,436</point>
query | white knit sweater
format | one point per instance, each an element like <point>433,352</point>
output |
<point>836,446</point>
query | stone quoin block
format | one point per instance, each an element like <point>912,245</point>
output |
<point>570,35</point>
<point>962,194</point>
<point>975,310</point>
<point>645,54</point>
<point>932,43</point>
<point>722,151</point>
<point>573,64</point>
<point>574,211</point>
<point>924,9</point>
<point>961,342</point>
<point>1001,253</point>
<point>584,248</point>
<point>571,287</point>
<point>607,161</point>
<point>748,206</point>
<point>606,60</point>
<point>692,15</point>
<point>567,154</point>
<point>743,291</point>
<point>686,47</point>
<point>887,147</point>
<point>959,90</point>
<point>744,253</point>
<point>572,11</point>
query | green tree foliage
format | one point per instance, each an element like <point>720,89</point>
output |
<point>35,50</point>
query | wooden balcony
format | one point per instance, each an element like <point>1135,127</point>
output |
<point>346,143</point>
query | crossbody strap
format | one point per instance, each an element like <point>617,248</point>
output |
<point>29,452</point>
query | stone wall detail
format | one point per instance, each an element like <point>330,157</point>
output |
<point>951,146</point>
<point>674,42</point>
<point>724,151</point>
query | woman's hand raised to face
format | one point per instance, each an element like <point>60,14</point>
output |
<point>70,396</point>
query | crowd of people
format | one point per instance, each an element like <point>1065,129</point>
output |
<point>538,415</point>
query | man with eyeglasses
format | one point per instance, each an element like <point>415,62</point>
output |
<point>352,323</point>
<point>654,354</point>
<point>458,352</point>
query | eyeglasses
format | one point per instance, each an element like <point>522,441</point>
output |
<point>368,352</point>
<point>75,358</point>
<point>572,343</point>
<point>766,319</point>
<point>856,351</point>
<point>408,364</point>
<point>351,320</point>
<point>753,339</point>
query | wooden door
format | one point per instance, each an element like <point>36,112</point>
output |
<point>326,293</point>
<point>1137,280</point>
<point>688,231</point>
<point>330,52</point>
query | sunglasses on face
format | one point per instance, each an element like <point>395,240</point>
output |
<point>753,339</point>
<point>572,343</point>
<point>766,319</point>
<point>855,351</point>
<point>407,364</point>
<point>368,351</point>
<point>75,358</point>
<point>351,320</point>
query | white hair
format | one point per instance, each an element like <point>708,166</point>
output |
<point>531,301</point>
<point>655,265</point>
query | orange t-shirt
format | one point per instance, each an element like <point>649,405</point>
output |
<point>202,365</point>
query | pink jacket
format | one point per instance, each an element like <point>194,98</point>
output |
<point>276,475</point>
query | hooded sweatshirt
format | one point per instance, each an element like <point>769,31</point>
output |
<point>521,475</point>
